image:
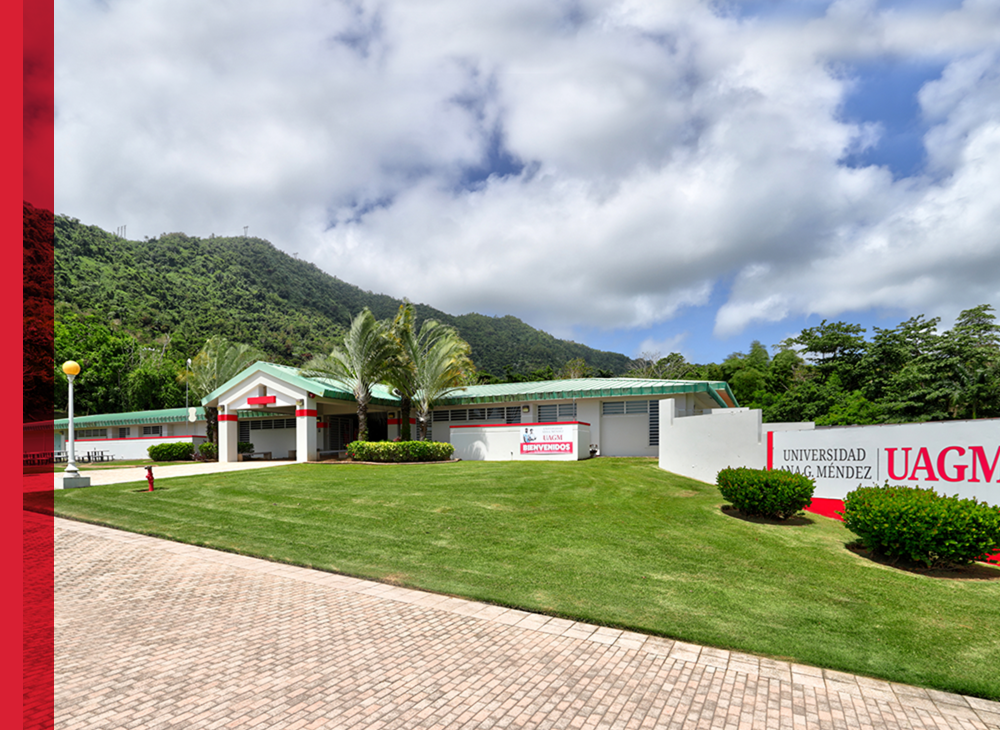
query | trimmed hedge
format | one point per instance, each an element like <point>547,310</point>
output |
<point>921,525</point>
<point>176,451</point>
<point>777,494</point>
<point>399,451</point>
<point>243,447</point>
<point>209,450</point>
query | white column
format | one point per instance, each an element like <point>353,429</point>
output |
<point>229,434</point>
<point>305,430</point>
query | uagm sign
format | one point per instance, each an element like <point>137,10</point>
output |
<point>952,457</point>
<point>546,440</point>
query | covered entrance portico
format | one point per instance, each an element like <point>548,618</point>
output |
<point>279,411</point>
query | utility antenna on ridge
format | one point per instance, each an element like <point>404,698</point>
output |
<point>245,231</point>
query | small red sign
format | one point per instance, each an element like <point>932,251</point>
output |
<point>547,447</point>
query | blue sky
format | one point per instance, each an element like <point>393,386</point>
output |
<point>638,176</point>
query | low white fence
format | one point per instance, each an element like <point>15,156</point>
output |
<point>953,457</point>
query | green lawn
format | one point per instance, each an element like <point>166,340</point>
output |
<point>609,541</point>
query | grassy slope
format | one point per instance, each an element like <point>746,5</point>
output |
<point>610,541</point>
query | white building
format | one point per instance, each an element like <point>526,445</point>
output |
<point>289,416</point>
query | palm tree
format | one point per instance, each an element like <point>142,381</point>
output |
<point>218,362</point>
<point>362,362</point>
<point>442,359</point>
<point>401,375</point>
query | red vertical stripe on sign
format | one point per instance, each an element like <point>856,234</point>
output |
<point>770,450</point>
<point>28,80</point>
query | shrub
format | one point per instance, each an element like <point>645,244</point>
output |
<point>208,450</point>
<point>244,448</point>
<point>176,451</point>
<point>922,526</point>
<point>775,493</point>
<point>399,451</point>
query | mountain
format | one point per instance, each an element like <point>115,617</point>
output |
<point>249,291</point>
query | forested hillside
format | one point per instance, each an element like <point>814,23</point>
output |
<point>132,311</point>
<point>124,305</point>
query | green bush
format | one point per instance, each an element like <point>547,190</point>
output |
<point>243,447</point>
<point>208,450</point>
<point>922,526</point>
<point>177,451</point>
<point>397,451</point>
<point>775,493</point>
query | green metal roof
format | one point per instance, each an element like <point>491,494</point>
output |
<point>588,388</point>
<point>335,390</point>
<point>544,390</point>
<point>167,415</point>
<point>321,387</point>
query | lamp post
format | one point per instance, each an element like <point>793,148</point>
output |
<point>187,384</point>
<point>72,477</point>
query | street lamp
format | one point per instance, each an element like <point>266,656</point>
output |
<point>72,477</point>
<point>187,384</point>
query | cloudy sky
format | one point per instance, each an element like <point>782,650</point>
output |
<point>635,175</point>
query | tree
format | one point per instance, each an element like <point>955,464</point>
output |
<point>575,368</point>
<point>153,383</point>
<point>652,366</point>
<point>361,362</point>
<point>218,362</point>
<point>441,362</point>
<point>835,348</point>
<point>401,374</point>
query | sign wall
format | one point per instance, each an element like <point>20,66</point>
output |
<point>960,457</point>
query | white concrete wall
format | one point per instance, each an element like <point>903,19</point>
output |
<point>626,435</point>
<point>701,446</point>
<point>277,441</point>
<point>132,448</point>
<point>615,435</point>
<point>507,443</point>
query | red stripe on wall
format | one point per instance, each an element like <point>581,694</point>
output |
<point>835,507</point>
<point>397,421</point>
<point>825,507</point>
<point>261,400</point>
<point>306,412</point>
<point>770,450</point>
<point>227,417</point>
<point>547,423</point>
<point>320,424</point>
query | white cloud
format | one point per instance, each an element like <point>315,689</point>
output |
<point>662,347</point>
<point>665,149</point>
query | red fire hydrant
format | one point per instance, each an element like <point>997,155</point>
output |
<point>149,477</point>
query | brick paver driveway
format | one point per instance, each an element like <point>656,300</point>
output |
<point>154,634</point>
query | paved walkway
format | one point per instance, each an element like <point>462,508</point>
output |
<point>155,634</point>
<point>122,474</point>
